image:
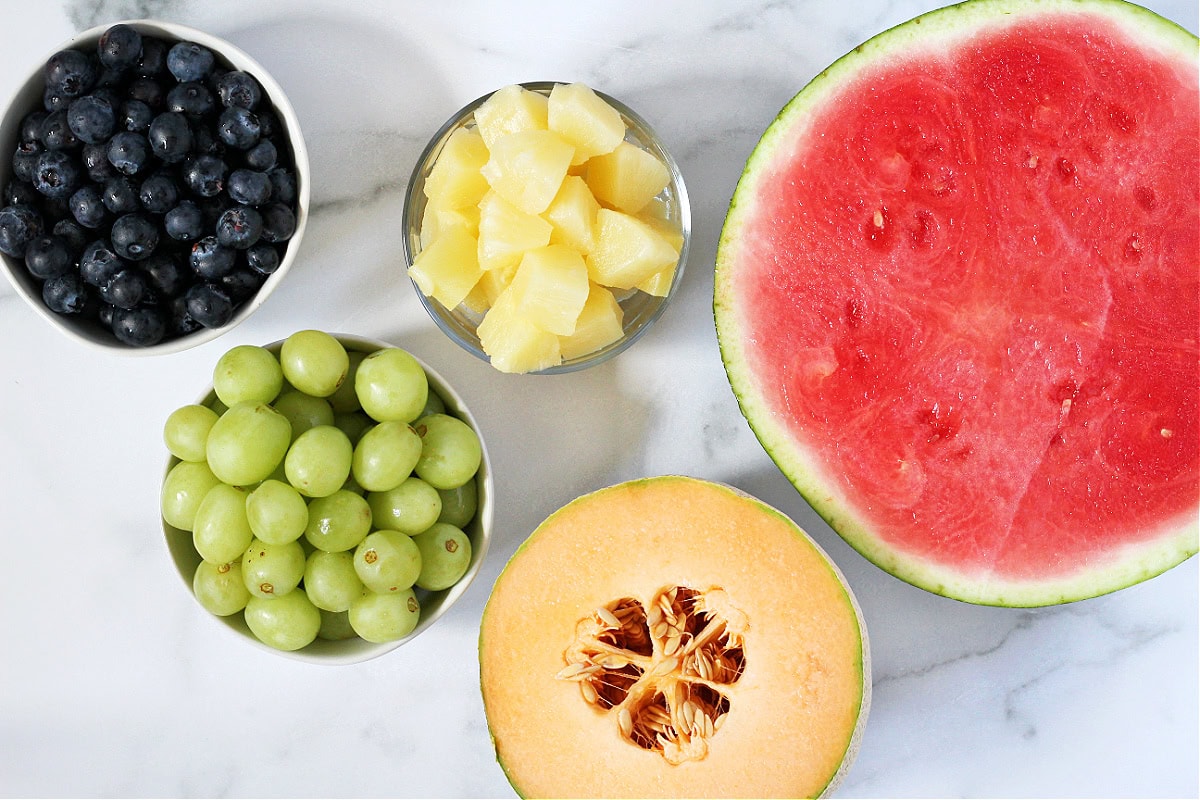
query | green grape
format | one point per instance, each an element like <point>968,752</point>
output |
<point>247,374</point>
<point>387,561</point>
<point>285,623</point>
<point>272,570</point>
<point>445,556</point>
<point>450,451</point>
<point>391,384</point>
<point>219,588</point>
<point>353,423</point>
<point>277,512</point>
<point>410,508</point>
<point>337,522</point>
<point>186,431</point>
<point>385,617</point>
<point>386,455</point>
<point>318,462</point>
<point>314,362</point>
<point>222,532</point>
<point>303,411</point>
<point>247,442</point>
<point>433,404</point>
<point>331,580</point>
<point>335,626</point>
<point>459,504</point>
<point>184,488</point>
<point>345,399</point>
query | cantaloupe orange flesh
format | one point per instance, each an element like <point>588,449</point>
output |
<point>672,637</point>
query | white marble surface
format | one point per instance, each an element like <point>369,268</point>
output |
<point>114,683</point>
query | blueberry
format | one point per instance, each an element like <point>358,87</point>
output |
<point>149,90</point>
<point>24,160</point>
<point>159,193</point>
<point>239,128</point>
<point>134,116</point>
<point>104,314</point>
<point>205,175</point>
<point>57,133</point>
<point>239,227</point>
<point>91,119</point>
<point>87,206</point>
<point>129,152</point>
<point>31,126</point>
<point>110,78</point>
<point>263,258</point>
<point>69,73</point>
<point>209,305</point>
<point>263,156</point>
<point>164,274</point>
<point>206,142</point>
<point>211,260</point>
<point>120,195</point>
<point>237,88</point>
<point>241,284</point>
<point>56,174</point>
<point>65,294</point>
<point>192,99</point>
<point>181,321</point>
<point>96,163</point>
<point>154,57</point>
<point>19,225</point>
<point>74,234</point>
<point>269,123</point>
<point>99,263</point>
<point>278,222</point>
<point>134,237</point>
<point>125,289</point>
<point>283,185</point>
<point>120,47</point>
<point>55,101</point>
<point>189,61</point>
<point>249,187</point>
<point>48,256</point>
<point>19,193</point>
<point>170,137</point>
<point>140,327</point>
<point>185,222</point>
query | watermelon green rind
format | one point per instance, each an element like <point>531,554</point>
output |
<point>1179,537</point>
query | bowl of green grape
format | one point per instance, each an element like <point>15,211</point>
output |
<point>328,497</point>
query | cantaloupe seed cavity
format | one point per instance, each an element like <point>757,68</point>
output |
<point>661,669</point>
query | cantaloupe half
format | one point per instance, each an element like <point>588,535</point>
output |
<point>673,637</point>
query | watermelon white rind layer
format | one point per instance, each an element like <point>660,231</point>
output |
<point>822,461</point>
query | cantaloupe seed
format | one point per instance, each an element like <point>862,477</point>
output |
<point>659,669</point>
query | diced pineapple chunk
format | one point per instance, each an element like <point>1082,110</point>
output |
<point>551,286</point>
<point>448,268</point>
<point>572,212</point>
<point>627,251</point>
<point>513,342</point>
<point>455,180</point>
<point>506,232</point>
<point>508,110</point>
<point>600,324</point>
<point>659,284</point>
<point>489,287</point>
<point>437,220</point>
<point>583,118</point>
<point>665,227</point>
<point>627,178</point>
<point>527,168</point>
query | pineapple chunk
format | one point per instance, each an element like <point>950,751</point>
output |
<point>572,212</point>
<point>628,178</point>
<point>489,287</point>
<point>551,286</point>
<point>508,110</point>
<point>448,268</point>
<point>436,220</point>
<point>583,118</point>
<point>527,168</point>
<point>600,324</point>
<point>506,232</point>
<point>513,342</point>
<point>627,251</point>
<point>455,180</point>
<point>665,227</point>
<point>658,284</point>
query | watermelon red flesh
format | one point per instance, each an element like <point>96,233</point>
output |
<point>971,292</point>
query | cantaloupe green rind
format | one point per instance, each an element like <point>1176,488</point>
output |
<point>929,33</point>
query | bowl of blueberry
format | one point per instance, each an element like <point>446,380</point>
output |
<point>155,187</point>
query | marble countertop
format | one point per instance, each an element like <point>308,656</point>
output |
<point>114,683</point>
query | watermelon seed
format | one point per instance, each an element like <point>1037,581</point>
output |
<point>1166,433</point>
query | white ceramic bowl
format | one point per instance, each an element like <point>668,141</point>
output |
<point>641,310</point>
<point>433,604</point>
<point>28,97</point>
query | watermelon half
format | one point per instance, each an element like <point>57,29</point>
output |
<point>958,298</point>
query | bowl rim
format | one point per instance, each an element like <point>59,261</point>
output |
<point>29,288</point>
<point>466,338</point>
<point>353,651</point>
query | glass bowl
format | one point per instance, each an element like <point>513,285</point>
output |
<point>89,331</point>
<point>640,309</point>
<point>433,604</point>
